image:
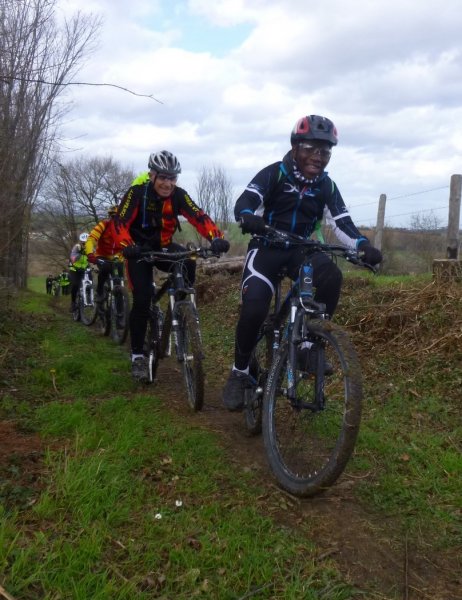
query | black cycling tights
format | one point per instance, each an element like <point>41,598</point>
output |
<point>140,280</point>
<point>75,277</point>
<point>259,278</point>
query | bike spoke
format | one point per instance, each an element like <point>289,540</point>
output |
<point>119,315</point>
<point>190,355</point>
<point>311,437</point>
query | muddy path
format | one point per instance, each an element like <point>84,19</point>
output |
<point>364,545</point>
<point>367,547</point>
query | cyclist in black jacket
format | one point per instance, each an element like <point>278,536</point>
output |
<point>294,194</point>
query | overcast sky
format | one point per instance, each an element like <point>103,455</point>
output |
<point>231,77</point>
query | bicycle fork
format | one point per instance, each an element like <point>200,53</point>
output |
<point>87,290</point>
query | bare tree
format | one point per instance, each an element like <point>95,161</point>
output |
<point>37,59</point>
<point>74,197</point>
<point>93,185</point>
<point>214,194</point>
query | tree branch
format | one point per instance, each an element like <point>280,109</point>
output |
<point>7,78</point>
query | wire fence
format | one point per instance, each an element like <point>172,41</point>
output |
<point>400,214</point>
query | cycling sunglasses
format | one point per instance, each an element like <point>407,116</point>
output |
<point>324,153</point>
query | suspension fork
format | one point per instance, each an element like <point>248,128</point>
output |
<point>302,291</point>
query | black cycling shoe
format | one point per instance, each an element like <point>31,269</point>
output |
<point>140,369</point>
<point>234,390</point>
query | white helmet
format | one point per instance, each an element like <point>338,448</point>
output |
<point>164,162</point>
<point>83,237</point>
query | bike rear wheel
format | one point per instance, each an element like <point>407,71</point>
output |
<point>152,347</point>
<point>77,306</point>
<point>120,311</point>
<point>190,355</point>
<point>308,444</point>
<point>104,312</point>
<point>260,362</point>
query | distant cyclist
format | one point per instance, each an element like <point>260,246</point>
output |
<point>64,282</point>
<point>49,283</point>
<point>101,244</point>
<point>147,220</point>
<point>78,262</point>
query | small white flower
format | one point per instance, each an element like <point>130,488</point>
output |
<point>158,516</point>
<point>178,503</point>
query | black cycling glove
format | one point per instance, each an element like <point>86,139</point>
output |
<point>370,255</point>
<point>132,251</point>
<point>219,245</point>
<point>251,223</point>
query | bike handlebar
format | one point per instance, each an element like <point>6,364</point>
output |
<point>108,261</point>
<point>192,251</point>
<point>288,239</point>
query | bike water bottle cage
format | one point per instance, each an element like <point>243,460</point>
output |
<point>306,281</point>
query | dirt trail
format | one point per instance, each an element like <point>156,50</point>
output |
<point>368,551</point>
<point>364,546</point>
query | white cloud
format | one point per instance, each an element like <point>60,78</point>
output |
<point>388,73</point>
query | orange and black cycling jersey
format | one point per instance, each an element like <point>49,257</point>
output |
<point>146,219</point>
<point>101,241</point>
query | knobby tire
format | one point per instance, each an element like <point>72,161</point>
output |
<point>190,354</point>
<point>152,349</point>
<point>104,312</point>
<point>88,311</point>
<point>308,450</point>
<point>260,362</point>
<point>120,311</point>
<point>76,311</point>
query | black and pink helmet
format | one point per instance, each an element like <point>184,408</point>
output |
<point>314,127</point>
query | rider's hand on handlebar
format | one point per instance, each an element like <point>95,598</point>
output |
<point>219,245</point>
<point>251,223</point>
<point>133,251</point>
<point>368,254</point>
<point>92,258</point>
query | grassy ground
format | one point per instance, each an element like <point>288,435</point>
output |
<point>133,501</point>
<point>408,457</point>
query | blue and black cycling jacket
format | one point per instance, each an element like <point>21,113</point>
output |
<point>287,204</point>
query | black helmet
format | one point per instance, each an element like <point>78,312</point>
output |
<point>314,127</point>
<point>164,162</point>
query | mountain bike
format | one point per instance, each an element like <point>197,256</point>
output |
<point>55,288</point>
<point>85,307</point>
<point>114,309</point>
<point>180,321</point>
<point>308,395</point>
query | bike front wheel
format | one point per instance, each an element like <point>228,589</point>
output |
<point>119,315</point>
<point>310,439</point>
<point>87,305</point>
<point>190,355</point>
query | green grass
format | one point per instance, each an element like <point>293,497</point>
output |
<point>134,503</point>
<point>37,284</point>
<point>408,455</point>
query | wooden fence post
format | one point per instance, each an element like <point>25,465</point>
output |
<point>380,222</point>
<point>454,217</point>
<point>450,268</point>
